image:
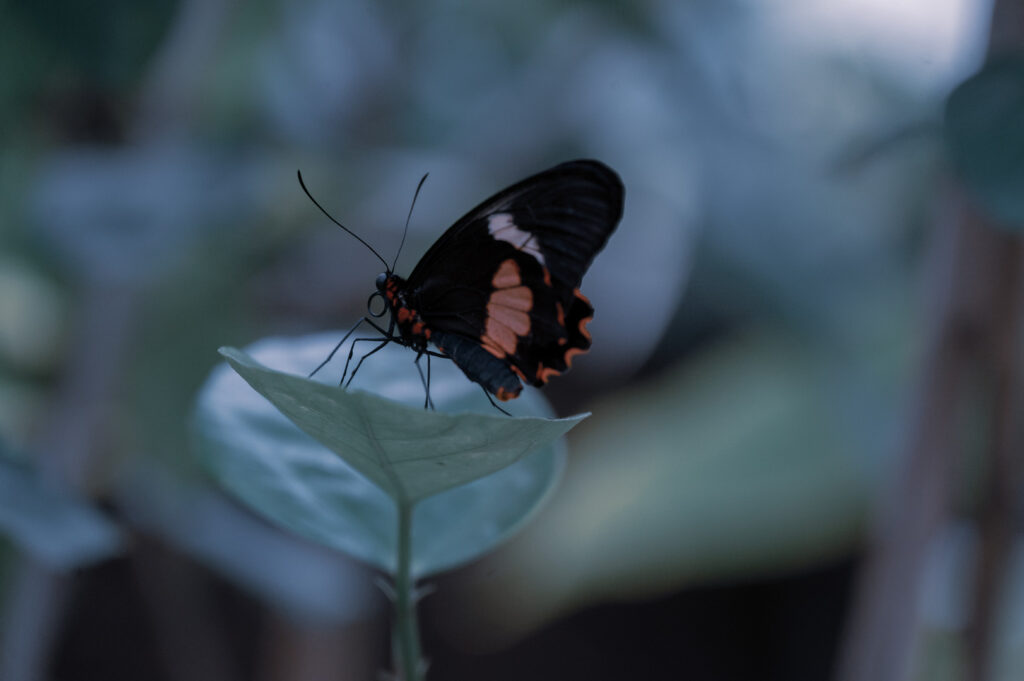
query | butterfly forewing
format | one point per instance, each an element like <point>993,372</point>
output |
<point>569,210</point>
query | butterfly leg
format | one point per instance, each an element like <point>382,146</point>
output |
<point>428,383</point>
<point>342,342</point>
<point>493,403</point>
<point>427,402</point>
<point>352,350</point>
<point>363,358</point>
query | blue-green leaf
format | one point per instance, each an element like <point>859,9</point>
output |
<point>332,483</point>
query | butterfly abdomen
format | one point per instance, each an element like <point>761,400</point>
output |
<point>479,365</point>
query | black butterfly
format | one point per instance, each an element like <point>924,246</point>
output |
<point>498,293</point>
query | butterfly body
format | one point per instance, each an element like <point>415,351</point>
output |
<point>498,293</point>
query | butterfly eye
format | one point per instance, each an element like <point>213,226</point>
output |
<point>382,281</point>
<point>370,305</point>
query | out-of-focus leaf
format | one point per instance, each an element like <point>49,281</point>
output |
<point>31,316</point>
<point>125,215</point>
<point>407,452</point>
<point>95,42</point>
<point>728,467</point>
<point>303,578</point>
<point>985,136</point>
<point>57,529</point>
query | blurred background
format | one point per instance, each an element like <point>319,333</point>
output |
<point>763,315</point>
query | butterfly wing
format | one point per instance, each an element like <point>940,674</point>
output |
<point>500,289</point>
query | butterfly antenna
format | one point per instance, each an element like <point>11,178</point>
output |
<point>331,218</point>
<point>407,218</point>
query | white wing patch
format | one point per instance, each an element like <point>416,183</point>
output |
<point>501,227</point>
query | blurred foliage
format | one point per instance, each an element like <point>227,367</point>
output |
<point>73,66</point>
<point>737,463</point>
<point>49,524</point>
<point>985,135</point>
<point>107,43</point>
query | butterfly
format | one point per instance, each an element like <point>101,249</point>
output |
<point>499,292</point>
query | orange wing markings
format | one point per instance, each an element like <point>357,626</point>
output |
<point>585,320</point>
<point>545,373</point>
<point>519,299</point>
<point>507,275</point>
<point>491,346</point>
<point>570,353</point>
<point>501,336</point>
<point>560,318</point>
<point>508,321</point>
<point>506,395</point>
<point>508,311</point>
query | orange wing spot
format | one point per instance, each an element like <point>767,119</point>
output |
<point>506,395</point>
<point>505,326</point>
<point>583,322</point>
<point>518,371</point>
<point>583,327</point>
<point>544,373</point>
<point>501,336</point>
<point>507,318</point>
<point>490,346</point>
<point>517,298</point>
<point>547,276</point>
<point>507,275</point>
<point>570,353</point>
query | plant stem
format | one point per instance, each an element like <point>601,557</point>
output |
<point>406,634</point>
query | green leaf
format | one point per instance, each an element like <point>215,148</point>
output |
<point>335,487</point>
<point>59,530</point>
<point>985,137</point>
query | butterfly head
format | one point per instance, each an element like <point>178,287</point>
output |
<point>389,289</point>
<point>389,285</point>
